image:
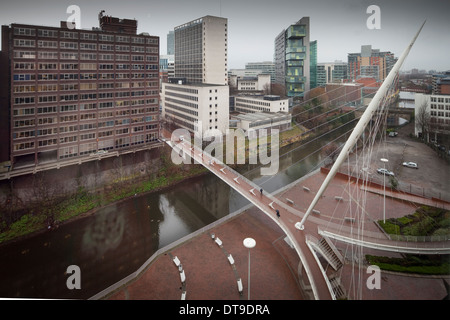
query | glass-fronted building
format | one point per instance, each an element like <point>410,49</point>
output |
<point>313,64</point>
<point>292,58</point>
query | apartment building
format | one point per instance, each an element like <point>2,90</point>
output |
<point>371,63</point>
<point>74,92</point>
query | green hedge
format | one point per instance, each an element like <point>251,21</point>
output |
<point>413,264</point>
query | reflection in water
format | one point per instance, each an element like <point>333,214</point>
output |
<point>104,233</point>
<point>171,224</point>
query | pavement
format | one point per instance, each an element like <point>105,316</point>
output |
<point>209,274</point>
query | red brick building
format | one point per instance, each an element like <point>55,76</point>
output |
<point>68,93</point>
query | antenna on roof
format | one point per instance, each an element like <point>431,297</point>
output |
<point>100,15</point>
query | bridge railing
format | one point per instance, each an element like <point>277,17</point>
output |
<point>431,244</point>
<point>249,182</point>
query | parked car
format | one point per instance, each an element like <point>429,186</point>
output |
<point>393,134</point>
<point>385,172</point>
<point>99,152</point>
<point>411,165</point>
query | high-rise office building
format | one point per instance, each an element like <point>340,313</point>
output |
<point>370,63</point>
<point>73,92</point>
<point>166,67</point>
<point>197,98</point>
<point>265,67</point>
<point>170,43</point>
<point>331,72</point>
<point>292,58</point>
<point>201,51</point>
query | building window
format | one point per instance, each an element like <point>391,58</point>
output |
<point>47,33</point>
<point>47,44</point>
<point>24,43</point>
<point>24,32</point>
<point>69,45</point>
<point>106,37</point>
<point>88,36</point>
<point>88,46</point>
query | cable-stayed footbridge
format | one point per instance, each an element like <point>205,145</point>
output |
<point>310,237</point>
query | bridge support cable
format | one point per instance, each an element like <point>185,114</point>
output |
<point>360,126</point>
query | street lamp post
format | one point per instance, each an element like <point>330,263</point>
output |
<point>249,243</point>
<point>384,187</point>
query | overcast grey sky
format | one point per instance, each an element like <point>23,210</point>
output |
<point>339,26</point>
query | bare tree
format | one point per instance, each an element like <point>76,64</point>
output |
<point>267,89</point>
<point>278,90</point>
<point>331,151</point>
<point>423,120</point>
<point>45,194</point>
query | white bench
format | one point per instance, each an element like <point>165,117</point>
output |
<point>230,258</point>
<point>182,276</point>
<point>240,287</point>
<point>218,241</point>
<point>176,261</point>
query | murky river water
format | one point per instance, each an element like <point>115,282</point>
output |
<point>118,239</point>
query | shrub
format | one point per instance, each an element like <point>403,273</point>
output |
<point>389,227</point>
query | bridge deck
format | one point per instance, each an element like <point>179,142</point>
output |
<point>268,204</point>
